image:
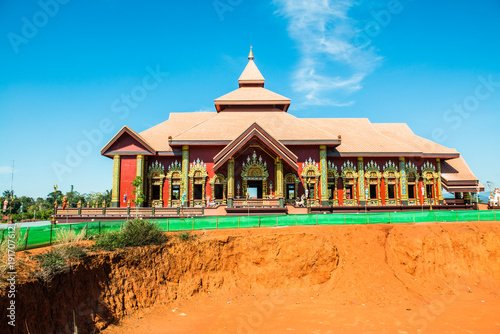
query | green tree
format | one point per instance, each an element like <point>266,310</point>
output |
<point>42,204</point>
<point>49,200</point>
<point>139,196</point>
<point>107,196</point>
<point>74,197</point>
<point>26,203</point>
<point>8,193</point>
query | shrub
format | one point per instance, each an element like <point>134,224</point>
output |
<point>72,252</point>
<point>56,261</point>
<point>4,265</point>
<point>51,263</point>
<point>109,241</point>
<point>186,236</point>
<point>67,236</point>
<point>137,232</point>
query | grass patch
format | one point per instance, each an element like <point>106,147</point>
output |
<point>57,261</point>
<point>4,250</point>
<point>137,232</point>
<point>186,236</point>
<point>4,265</point>
<point>68,236</point>
<point>51,263</point>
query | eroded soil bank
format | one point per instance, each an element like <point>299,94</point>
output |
<point>304,279</point>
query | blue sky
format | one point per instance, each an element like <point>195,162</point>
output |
<point>67,66</point>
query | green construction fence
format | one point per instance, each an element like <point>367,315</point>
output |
<point>38,236</point>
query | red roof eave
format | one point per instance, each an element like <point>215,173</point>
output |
<point>135,135</point>
<point>255,131</point>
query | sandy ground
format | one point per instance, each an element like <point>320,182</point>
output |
<point>301,313</point>
<point>426,278</point>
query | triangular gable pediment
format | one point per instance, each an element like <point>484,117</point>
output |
<point>127,142</point>
<point>251,75</point>
<point>255,131</point>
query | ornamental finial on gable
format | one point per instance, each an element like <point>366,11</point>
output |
<point>390,164</point>
<point>157,166</point>
<point>348,165</point>
<point>310,161</point>
<point>371,165</point>
<point>428,165</point>
<point>411,165</point>
<point>174,166</point>
<point>332,166</point>
<point>250,55</point>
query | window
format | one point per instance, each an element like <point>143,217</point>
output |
<point>348,192</point>
<point>290,192</point>
<point>412,194</point>
<point>219,191</point>
<point>332,180</point>
<point>429,188</point>
<point>176,192</point>
<point>331,191</point>
<point>373,191</point>
<point>411,191</point>
<point>155,192</point>
<point>391,188</point>
<point>311,191</point>
<point>198,191</point>
<point>390,191</point>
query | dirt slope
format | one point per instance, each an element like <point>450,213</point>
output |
<point>314,279</point>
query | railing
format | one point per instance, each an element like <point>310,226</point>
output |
<point>454,201</point>
<point>114,212</point>
<point>166,211</point>
<point>126,212</point>
<point>256,203</point>
<point>68,212</point>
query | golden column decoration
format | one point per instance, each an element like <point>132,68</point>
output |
<point>402,181</point>
<point>185,172</point>
<point>467,198</point>
<point>439,187</point>
<point>361,181</point>
<point>140,172</point>
<point>279,178</point>
<point>230,178</point>
<point>324,176</point>
<point>140,167</point>
<point>115,193</point>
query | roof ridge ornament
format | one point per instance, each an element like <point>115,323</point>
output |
<point>390,164</point>
<point>371,165</point>
<point>348,165</point>
<point>175,166</point>
<point>411,165</point>
<point>310,162</point>
<point>250,55</point>
<point>427,166</point>
<point>331,165</point>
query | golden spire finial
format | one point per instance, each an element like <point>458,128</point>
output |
<point>250,55</point>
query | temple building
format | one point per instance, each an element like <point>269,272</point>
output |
<point>251,147</point>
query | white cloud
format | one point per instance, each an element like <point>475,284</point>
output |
<point>325,35</point>
<point>6,170</point>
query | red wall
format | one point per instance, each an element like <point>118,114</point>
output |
<point>128,168</point>
<point>127,143</point>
